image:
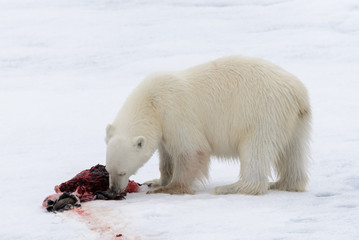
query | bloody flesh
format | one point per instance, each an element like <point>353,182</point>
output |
<point>88,185</point>
<point>90,181</point>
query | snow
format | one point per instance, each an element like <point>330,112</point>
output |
<point>67,66</point>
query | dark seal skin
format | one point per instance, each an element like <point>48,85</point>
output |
<point>65,202</point>
<point>109,194</point>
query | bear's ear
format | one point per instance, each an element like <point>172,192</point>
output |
<point>110,129</point>
<point>139,142</point>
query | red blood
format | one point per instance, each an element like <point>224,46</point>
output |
<point>119,235</point>
<point>82,212</point>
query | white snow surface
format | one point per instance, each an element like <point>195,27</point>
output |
<point>66,67</point>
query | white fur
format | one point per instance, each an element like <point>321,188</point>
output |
<point>235,107</point>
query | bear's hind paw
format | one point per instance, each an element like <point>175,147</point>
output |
<point>240,188</point>
<point>282,186</point>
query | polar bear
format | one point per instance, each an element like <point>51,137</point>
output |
<point>236,107</point>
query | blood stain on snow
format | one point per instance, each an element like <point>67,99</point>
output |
<point>81,212</point>
<point>101,220</point>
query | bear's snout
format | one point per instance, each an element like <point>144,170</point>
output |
<point>118,183</point>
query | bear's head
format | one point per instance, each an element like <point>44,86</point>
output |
<point>124,156</point>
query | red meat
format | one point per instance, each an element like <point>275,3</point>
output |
<point>89,180</point>
<point>132,187</point>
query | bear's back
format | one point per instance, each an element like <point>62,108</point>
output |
<point>240,86</point>
<point>218,102</point>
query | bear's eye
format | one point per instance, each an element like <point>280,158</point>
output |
<point>122,174</point>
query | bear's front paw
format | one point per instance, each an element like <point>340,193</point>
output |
<point>171,190</point>
<point>156,190</point>
<point>155,183</point>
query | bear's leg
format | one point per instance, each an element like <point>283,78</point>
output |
<point>166,166</point>
<point>166,169</point>
<point>187,168</point>
<point>292,163</point>
<point>256,154</point>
